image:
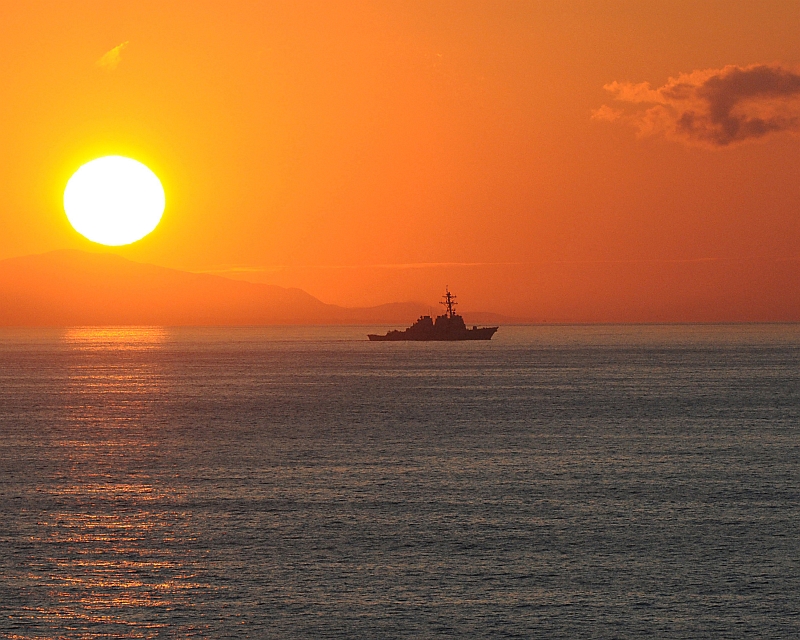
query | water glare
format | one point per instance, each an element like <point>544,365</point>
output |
<point>559,482</point>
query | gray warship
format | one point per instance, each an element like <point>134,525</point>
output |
<point>448,326</point>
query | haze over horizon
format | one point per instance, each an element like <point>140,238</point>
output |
<point>587,162</point>
<point>79,288</point>
<point>73,287</point>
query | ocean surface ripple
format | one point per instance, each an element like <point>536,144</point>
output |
<point>556,482</point>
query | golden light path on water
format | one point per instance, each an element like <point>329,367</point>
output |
<point>112,540</point>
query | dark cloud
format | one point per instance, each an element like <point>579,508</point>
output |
<point>714,107</point>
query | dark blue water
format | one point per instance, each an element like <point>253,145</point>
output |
<point>567,482</point>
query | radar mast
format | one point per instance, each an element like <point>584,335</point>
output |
<point>449,302</point>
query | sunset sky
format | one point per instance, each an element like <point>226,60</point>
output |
<point>556,161</point>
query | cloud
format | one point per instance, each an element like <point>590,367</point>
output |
<point>110,60</point>
<point>713,107</point>
<point>607,114</point>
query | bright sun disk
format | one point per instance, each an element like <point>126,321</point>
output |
<point>114,200</point>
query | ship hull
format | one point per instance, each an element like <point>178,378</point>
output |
<point>483,333</point>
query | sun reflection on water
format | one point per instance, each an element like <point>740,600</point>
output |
<point>115,338</point>
<point>120,546</point>
<point>115,373</point>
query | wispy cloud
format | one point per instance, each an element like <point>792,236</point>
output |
<point>232,269</point>
<point>247,269</point>
<point>111,59</point>
<point>712,107</point>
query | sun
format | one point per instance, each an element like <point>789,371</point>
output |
<point>114,200</point>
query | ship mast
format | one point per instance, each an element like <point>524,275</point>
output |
<point>449,302</point>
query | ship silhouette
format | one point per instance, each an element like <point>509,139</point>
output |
<point>448,326</point>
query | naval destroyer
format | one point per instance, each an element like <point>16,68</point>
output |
<point>448,326</point>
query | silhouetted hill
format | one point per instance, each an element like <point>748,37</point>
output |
<point>68,288</point>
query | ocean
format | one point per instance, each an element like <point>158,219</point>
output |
<point>301,482</point>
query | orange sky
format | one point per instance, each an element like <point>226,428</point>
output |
<point>374,152</point>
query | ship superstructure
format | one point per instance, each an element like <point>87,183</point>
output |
<point>448,326</point>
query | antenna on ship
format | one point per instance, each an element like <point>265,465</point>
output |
<point>449,301</point>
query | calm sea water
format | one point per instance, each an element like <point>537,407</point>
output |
<point>556,482</point>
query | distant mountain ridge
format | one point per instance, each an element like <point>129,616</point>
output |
<point>73,288</point>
